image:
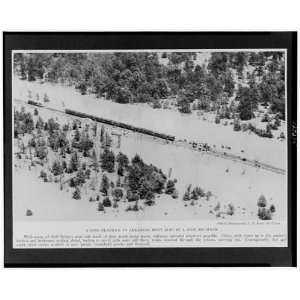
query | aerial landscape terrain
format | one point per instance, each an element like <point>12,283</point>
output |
<point>149,135</point>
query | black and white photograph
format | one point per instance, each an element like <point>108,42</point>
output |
<point>149,149</point>
<point>149,135</point>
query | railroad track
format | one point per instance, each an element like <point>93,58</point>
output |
<point>220,154</point>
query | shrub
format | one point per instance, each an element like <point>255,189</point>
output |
<point>149,202</point>
<point>43,174</point>
<point>244,127</point>
<point>236,125</point>
<point>175,194</point>
<point>272,208</point>
<point>230,210</point>
<point>262,201</point>
<point>282,136</point>
<point>29,212</point>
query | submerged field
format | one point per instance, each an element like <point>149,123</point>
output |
<point>229,182</point>
<point>191,127</point>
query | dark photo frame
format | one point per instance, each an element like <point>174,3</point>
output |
<point>152,256</point>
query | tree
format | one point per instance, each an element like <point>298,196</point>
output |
<point>100,206</point>
<point>41,152</point>
<point>108,161</point>
<point>106,202</point>
<point>57,168</point>
<point>236,125</point>
<point>262,201</point>
<point>175,194</point>
<point>46,98</point>
<point>80,177</point>
<point>264,213</point>
<point>77,194</point>
<point>85,144</point>
<point>123,95</point>
<point>187,194</point>
<point>104,185</point>
<point>74,162</point>
<point>95,161</point>
<point>117,193</point>
<point>246,104</point>
<point>272,208</point>
<point>77,135</point>
<point>39,123</point>
<point>170,187</point>
<point>102,134</point>
<point>194,194</point>
<point>217,119</point>
<point>230,209</point>
<point>122,160</point>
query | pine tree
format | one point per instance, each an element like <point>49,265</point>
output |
<point>77,194</point>
<point>262,201</point>
<point>104,185</point>
<point>194,194</point>
<point>46,98</point>
<point>170,187</point>
<point>57,168</point>
<point>74,162</point>
<point>108,161</point>
<point>102,134</point>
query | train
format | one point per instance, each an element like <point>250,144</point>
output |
<point>167,137</point>
<point>121,125</point>
<point>35,103</point>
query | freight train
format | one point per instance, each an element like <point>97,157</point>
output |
<point>113,123</point>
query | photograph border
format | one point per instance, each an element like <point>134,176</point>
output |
<point>82,41</point>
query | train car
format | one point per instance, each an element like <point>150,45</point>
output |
<point>35,103</point>
<point>121,125</point>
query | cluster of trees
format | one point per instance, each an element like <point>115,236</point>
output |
<point>140,77</point>
<point>195,193</point>
<point>264,212</point>
<point>23,123</point>
<point>138,179</point>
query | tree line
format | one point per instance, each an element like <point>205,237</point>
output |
<point>249,78</point>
